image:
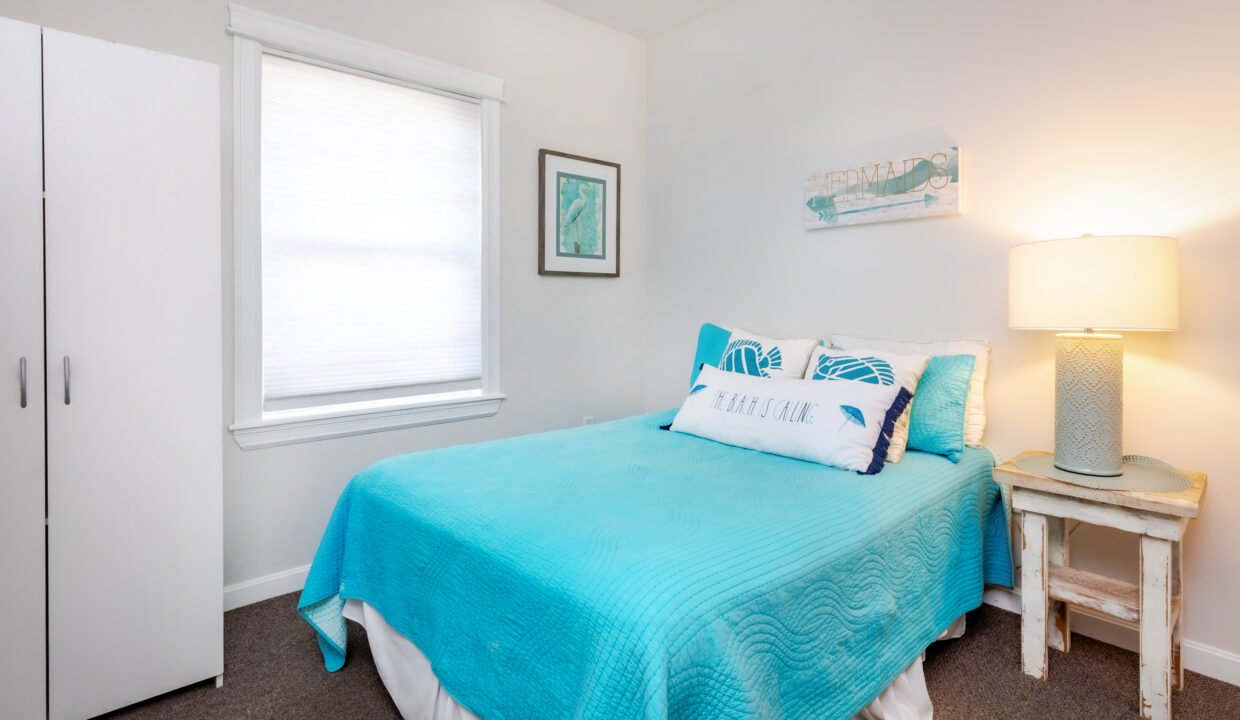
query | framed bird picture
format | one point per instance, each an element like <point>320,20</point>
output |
<point>578,215</point>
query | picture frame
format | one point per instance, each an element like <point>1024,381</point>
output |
<point>578,215</point>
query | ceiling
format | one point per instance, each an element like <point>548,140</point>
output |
<point>643,18</point>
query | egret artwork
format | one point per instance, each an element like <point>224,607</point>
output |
<point>578,215</point>
<point>582,210</point>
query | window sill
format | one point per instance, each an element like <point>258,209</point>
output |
<point>298,426</point>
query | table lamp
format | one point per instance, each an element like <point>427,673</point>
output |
<point>1084,285</point>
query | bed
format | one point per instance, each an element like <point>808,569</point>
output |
<point>623,571</point>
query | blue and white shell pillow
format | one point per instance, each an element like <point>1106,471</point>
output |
<point>761,356</point>
<point>877,368</point>
<point>975,409</point>
<point>843,424</point>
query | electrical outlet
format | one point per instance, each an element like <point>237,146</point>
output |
<point>587,420</point>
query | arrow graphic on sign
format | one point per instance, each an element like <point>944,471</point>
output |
<point>928,200</point>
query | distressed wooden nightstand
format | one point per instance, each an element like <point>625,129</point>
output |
<point>1049,586</point>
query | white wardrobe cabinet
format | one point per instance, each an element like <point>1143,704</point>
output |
<point>111,499</point>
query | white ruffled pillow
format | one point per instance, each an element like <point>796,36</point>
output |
<point>877,368</point>
<point>844,424</point>
<point>975,410</point>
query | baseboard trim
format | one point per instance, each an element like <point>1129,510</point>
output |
<point>262,588</point>
<point>1199,657</point>
<point>1211,661</point>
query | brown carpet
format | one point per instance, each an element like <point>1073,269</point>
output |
<point>273,670</point>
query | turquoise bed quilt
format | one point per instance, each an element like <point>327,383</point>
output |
<point>619,571</point>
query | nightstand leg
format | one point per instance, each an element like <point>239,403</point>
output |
<point>1059,633</point>
<point>1155,628</point>
<point>1177,642</point>
<point>1033,595</point>
<point>1177,660</point>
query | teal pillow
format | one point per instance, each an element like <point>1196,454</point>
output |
<point>936,422</point>
<point>712,342</point>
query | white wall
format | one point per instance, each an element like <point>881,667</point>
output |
<point>573,86</point>
<point>1101,117</point>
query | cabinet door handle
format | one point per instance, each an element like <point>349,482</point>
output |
<point>22,365</point>
<point>68,374</point>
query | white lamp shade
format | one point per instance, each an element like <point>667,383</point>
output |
<point>1098,283</point>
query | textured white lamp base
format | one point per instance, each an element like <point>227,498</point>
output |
<point>1089,403</point>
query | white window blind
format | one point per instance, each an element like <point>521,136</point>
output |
<point>371,212</point>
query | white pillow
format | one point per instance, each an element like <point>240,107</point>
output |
<point>877,368</point>
<point>975,411</point>
<point>752,354</point>
<point>833,423</point>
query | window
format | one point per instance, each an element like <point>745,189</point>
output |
<point>367,242</point>
<point>371,233</point>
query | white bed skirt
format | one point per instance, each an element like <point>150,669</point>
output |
<point>407,674</point>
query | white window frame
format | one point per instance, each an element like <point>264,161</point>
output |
<point>255,33</point>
